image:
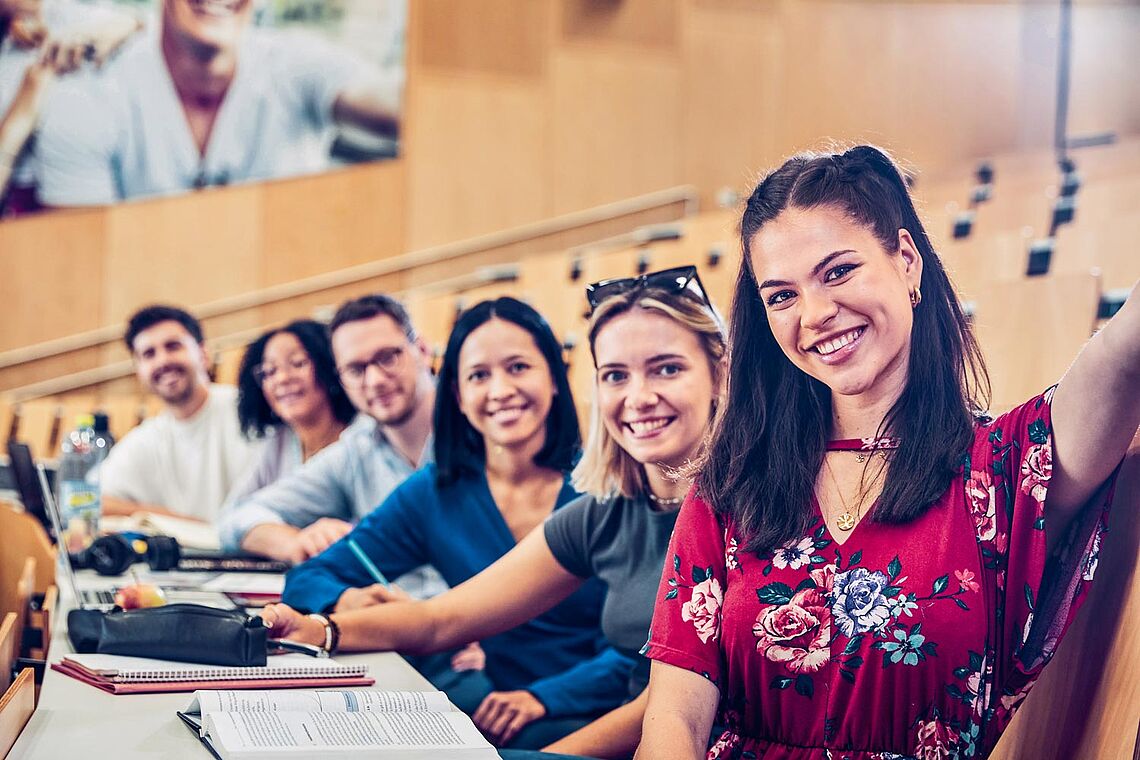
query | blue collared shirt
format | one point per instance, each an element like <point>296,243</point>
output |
<point>345,480</point>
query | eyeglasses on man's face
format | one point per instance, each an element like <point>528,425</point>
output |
<point>386,360</point>
<point>267,370</point>
<point>675,280</point>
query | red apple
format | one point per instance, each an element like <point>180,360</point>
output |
<point>139,595</point>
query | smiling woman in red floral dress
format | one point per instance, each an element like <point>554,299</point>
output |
<point>867,568</point>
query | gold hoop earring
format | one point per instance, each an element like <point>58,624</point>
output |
<point>915,298</point>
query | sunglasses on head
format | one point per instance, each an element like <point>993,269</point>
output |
<point>675,280</point>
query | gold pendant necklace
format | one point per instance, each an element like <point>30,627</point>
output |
<point>846,521</point>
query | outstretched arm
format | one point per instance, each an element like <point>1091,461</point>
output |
<point>1095,413</point>
<point>524,583</point>
<point>370,105</point>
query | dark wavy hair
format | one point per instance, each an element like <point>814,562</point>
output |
<point>458,446</point>
<point>769,440</point>
<point>254,412</point>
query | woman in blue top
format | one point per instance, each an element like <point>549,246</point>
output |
<point>506,434</point>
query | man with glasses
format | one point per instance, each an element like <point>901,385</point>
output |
<point>385,370</point>
<point>184,460</point>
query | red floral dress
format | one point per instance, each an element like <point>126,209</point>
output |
<point>906,641</point>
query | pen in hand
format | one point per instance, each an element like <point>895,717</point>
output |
<point>285,645</point>
<point>368,565</point>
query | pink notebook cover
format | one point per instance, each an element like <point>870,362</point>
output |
<point>112,687</point>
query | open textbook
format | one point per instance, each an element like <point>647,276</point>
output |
<point>411,725</point>
<point>191,534</point>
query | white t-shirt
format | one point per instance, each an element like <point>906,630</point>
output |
<point>122,133</point>
<point>187,466</point>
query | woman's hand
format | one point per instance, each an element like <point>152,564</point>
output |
<point>504,713</point>
<point>470,657</point>
<point>284,622</point>
<point>370,596</point>
<point>315,538</point>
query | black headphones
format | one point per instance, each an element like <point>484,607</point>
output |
<point>113,554</point>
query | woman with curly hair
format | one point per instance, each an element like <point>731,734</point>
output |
<point>289,394</point>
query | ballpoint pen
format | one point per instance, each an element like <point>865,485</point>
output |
<point>368,565</point>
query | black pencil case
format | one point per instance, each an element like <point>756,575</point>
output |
<point>186,632</point>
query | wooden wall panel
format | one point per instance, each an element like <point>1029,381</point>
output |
<point>958,75</point>
<point>615,126</point>
<point>516,112</point>
<point>653,23</point>
<point>50,270</point>
<point>64,364</point>
<point>1105,94</point>
<point>836,78</point>
<point>488,36</point>
<point>732,64</point>
<point>317,224</point>
<point>187,250</point>
<point>1028,348</point>
<point>482,154</point>
<point>1036,87</point>
<point>934,82</point>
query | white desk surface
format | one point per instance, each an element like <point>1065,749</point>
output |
<point>73,718</point>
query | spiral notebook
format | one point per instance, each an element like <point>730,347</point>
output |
<point>139,675</point>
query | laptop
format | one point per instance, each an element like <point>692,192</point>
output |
<point>23,468</point>
<point>104,599</point>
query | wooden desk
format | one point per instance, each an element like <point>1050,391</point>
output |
<point>73,718</point>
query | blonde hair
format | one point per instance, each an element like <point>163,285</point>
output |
<point>606,469</point>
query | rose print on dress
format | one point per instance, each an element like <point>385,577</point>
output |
<point>703,609</point>
<point>860,604</point>
<point>983,505</point>
<point>798,632</point>
<point>1036,470</point>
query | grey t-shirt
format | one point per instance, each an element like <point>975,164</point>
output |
<point>622,542</point>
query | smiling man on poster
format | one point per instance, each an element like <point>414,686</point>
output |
<point>209,99</point>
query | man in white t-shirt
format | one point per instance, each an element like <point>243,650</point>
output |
<point>208,100</point>
<point>184,460</point>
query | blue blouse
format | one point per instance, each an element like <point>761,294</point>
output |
<point>561,656</point>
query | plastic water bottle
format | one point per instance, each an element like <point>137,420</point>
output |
<point>78,498</point>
